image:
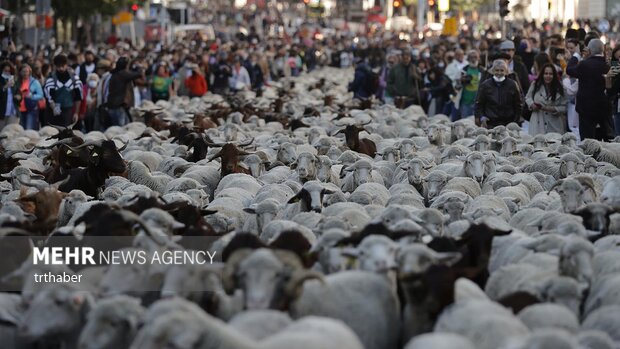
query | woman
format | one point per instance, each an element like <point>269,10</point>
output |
<point>8,94</point>
<point>90,111</point>
<point>548,103</point>
<point>539,61</point>
<point>196,84</point>
<point>240,78</point>
<point>162,85</point>
<point>31,93</point>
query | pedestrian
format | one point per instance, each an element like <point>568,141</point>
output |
<point>362,84</point>
<point>391,61</point>
<point>90,102</point>
<point>240,78</point>
<point>87,67</point>
<point>614,88</point>
<point>469,83</point>
<point>63,91</point>
<point>592,103</point>
<point>499,100</point>
<point>439,89</point>
<point>515,65</point>
<point>221,73</point>
<point>404,81</point>
<point>548,103</point>
<point>162,84</point>
<point>196,84</point>
<point>31,93</point>
<point>571,86</point>
<point>120,92</point>
<point>8,90</point>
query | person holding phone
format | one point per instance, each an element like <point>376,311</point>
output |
<point>613,87</point>
<point>548,102</point>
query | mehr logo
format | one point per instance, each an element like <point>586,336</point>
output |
<point>64,255</point>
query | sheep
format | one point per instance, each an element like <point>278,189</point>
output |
<point>611,193</point>
<point>189,330</point>
<point>472,167</point>
<point>330,298</point>
<point>605,152</point>
<point>260,324</point>
<point>57,311</point>
<point>487,205</point>
<point>571,193</point>
<point>112,323</point>
<point>439,341</point>
<point>549,315</point>
<point>604,319</point>
<point>138,173</point>
<point>546,338</point>
<point>465,185</point>
<point>362,172</point>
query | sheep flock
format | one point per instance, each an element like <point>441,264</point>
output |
<point>330,223</point>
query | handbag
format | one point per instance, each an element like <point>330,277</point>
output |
<point>31,104</point>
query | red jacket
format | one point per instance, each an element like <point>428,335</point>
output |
<point>197,85</point>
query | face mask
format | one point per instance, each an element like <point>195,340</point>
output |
<point>92,83</point>
<point>473,63</point>
<point>499,79</point>
<point>426,55</point>
<point>441,64</point>
<point>6,76</point>
<point>188,73</point>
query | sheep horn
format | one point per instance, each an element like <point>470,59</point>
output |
<point>31,184</point>
<point>247,143</point>
<point>58,127</point>
<point>62,141</point>
<point>229,282</point>
<point>96,143</point>
<point>291,289</point>
<point>556,184</point>
<point>123,146</point>
<point>219,154</point>
<point>10,153</point>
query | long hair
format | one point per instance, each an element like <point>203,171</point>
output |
<point>555,87</point>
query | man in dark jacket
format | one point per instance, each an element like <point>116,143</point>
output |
<point>499,100</point>
<point>592,103</point>
<point>361,86</point>
<point>404,81</point>
<point>120,91</point>
<point>515,65</point>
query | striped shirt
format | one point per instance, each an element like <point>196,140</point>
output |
<point>73,84</point>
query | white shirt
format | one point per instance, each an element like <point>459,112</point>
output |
<point>240,79</point>
<point>454,69</point>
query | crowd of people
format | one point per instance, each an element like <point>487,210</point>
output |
<point>548,81</point>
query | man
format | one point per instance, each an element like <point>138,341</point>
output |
<point>469,81</point>
<point>592,103</point>
<point>404,81</point>
<point>63,90</point>
<point>86,68</point>
<point>499,100</point>
<point>514,65</point>
<point>454,69</point>
<point>361,86</point>
<point>120,91</point>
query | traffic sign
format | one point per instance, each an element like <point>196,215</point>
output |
<point>122,17</point>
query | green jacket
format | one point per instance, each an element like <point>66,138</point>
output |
<point>403,81</point>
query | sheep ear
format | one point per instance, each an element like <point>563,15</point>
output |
<point>448,258</point>
<point>498,211</point>
<point>294,199</point>
<point>251,209</point>
<point>350,252</point>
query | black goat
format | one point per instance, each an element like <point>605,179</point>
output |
<point>104,159</point>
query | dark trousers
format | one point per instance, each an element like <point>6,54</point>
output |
<point>64,119</point>
<point>588,123</point>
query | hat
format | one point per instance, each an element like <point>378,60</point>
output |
<point>507,45</point>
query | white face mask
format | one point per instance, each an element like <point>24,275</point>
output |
<point>6,76</point>
<point>499,79</point>
<point>92,83</point>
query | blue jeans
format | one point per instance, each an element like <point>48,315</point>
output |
<point>617,123</point>
<point>30,120</point>
<point>466,110</point>
<point>118,117</point>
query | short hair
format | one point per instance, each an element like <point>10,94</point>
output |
<point>60,60</point>
<point>596,46</point>
<point>499,62</point>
